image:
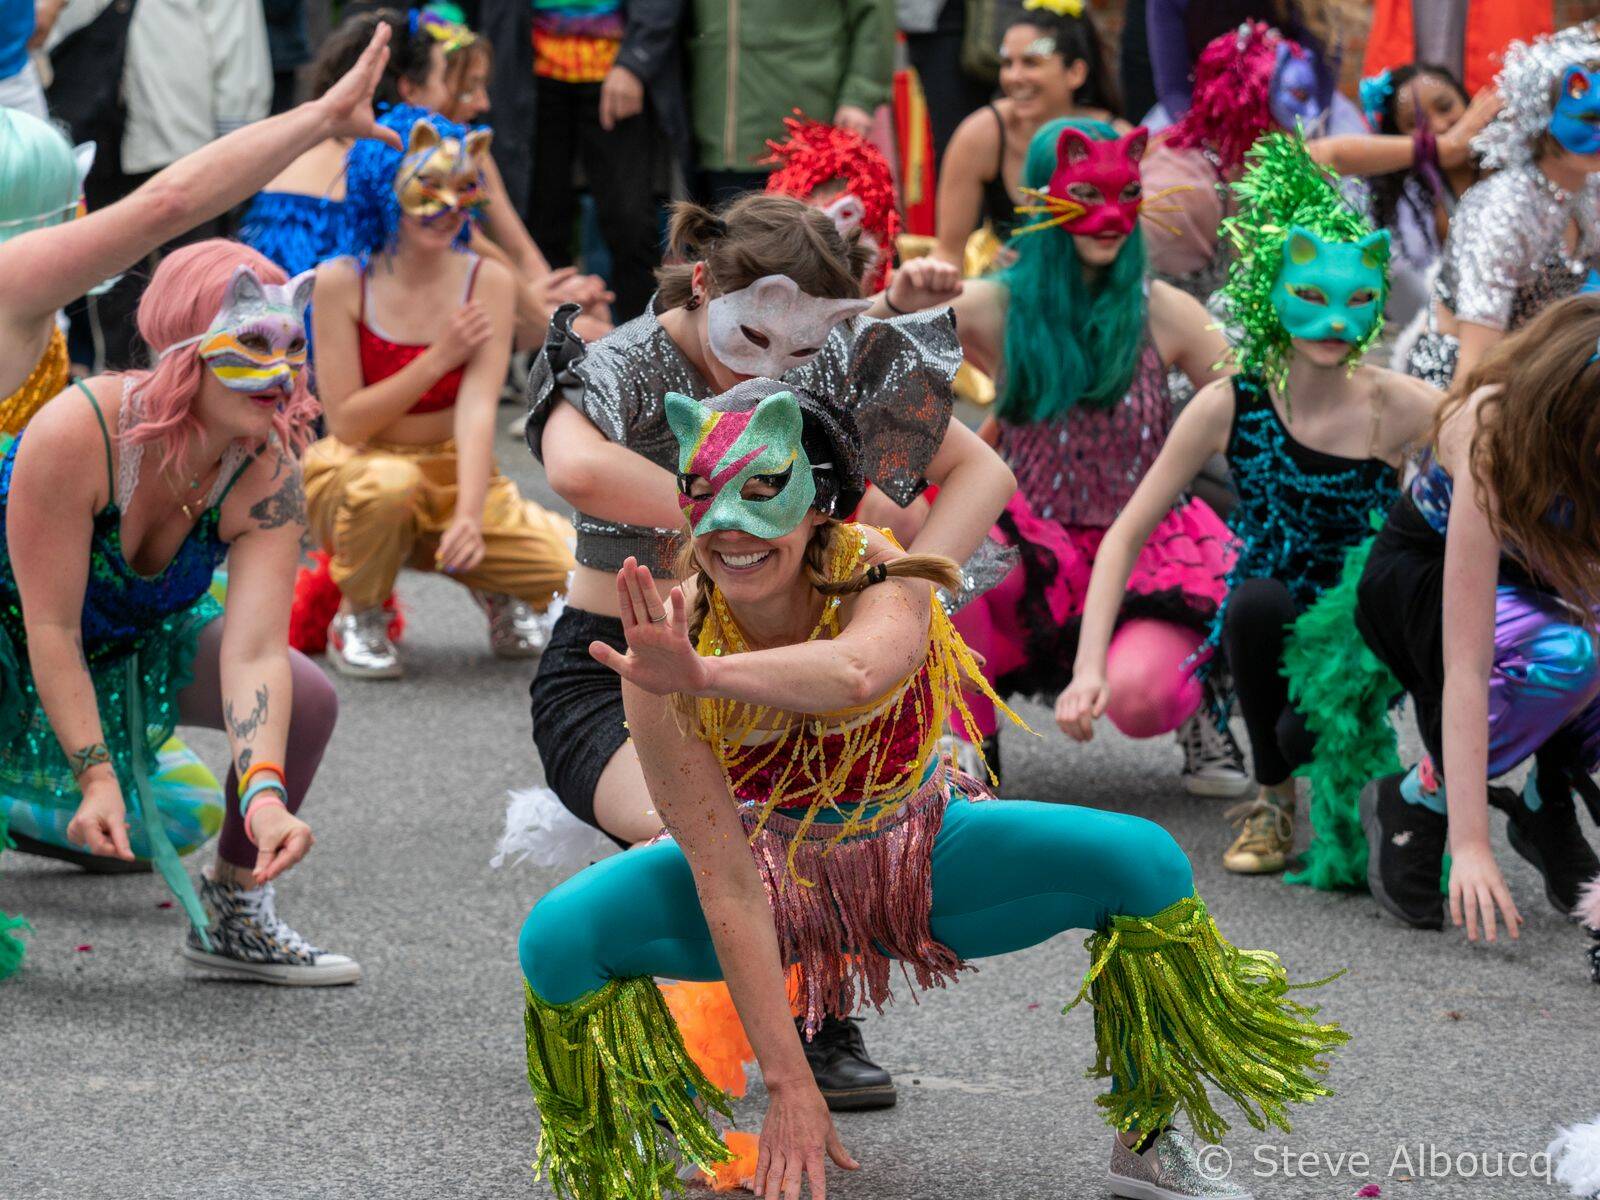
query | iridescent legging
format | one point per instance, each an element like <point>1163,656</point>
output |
<point>1007,874</point>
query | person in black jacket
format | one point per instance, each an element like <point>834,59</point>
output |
<point>606,96</point>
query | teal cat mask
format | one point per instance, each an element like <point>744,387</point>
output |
<point>1331,290</point>
<point>728,450</point>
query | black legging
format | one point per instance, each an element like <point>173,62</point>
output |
<point>1255,628</point>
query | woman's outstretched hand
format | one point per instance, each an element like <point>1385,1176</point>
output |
<point>1477,889</point>
<point>282,840</point>
<point>1081,705</point>
<point>101,822</point>
<point>348,103</point>
<point>795,1136</point>
<point>660,659</point>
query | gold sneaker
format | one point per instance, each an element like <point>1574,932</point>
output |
<point>1265,841</point>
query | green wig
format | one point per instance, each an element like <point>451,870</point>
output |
<point>1069,339</point>
<point>1282,188</point>
<point>41,175</point>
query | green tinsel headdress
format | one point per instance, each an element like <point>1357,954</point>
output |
<point>1283,190</point>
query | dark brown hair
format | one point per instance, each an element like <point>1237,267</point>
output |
<point>462,59</point>
<point>756,235</point>
<point>1535,452</point>
<point>410,58</point>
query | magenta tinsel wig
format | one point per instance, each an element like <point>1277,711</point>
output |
<point>1232,88</point>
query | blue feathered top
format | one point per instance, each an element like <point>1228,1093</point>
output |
<point>295,231</point>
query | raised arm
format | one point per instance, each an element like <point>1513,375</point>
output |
<point>884,639</point>
<point>690,794</point>
<point>57,486</point>
<point>1471,569</point>
<point>1200,431</point>
<point>61,263</point>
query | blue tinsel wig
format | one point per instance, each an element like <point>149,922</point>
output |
<point>372,210</point>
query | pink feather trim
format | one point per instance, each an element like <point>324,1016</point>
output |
<point>1588,907</point>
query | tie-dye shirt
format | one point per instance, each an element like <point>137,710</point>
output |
<point>575,41</point>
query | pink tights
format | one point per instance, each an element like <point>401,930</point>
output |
<point>1151,691</point>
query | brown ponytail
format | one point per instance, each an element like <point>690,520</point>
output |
<point>934,568</point>
<point>758,235</point>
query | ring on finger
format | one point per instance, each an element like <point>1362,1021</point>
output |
<point>655,620</point>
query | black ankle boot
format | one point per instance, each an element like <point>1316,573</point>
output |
<point>1552,840</point>
<point>848,1079</point>
<point>1405,853</point>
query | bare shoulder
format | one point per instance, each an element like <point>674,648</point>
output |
<point>66,435</point>
<point>977,133</point>
<point>494,281</point>
<point>338,281</point>
<point>1175,308</point>
<point>1409,405</point>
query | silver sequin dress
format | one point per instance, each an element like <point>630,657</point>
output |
<point>1507,257</point>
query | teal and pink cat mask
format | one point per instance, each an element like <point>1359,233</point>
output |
<point>257,340</point>
<point>806,456</point>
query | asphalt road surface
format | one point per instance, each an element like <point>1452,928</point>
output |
<point>122,1074</point>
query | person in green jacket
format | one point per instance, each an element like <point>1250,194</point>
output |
<point>753,62</point>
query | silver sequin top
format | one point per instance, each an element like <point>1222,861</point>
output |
<point>894,376</point>
<point>1506,256</point>
<point>1082,467</point>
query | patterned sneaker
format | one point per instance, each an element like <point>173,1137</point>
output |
<point>359,645</point>
<point>1169,1168</point>
<point>515,630</point>
<point>249,939</point>
<point>1265,840</point>
<point>1213,765</point>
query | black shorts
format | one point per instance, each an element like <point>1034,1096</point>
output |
<point>578,723</point>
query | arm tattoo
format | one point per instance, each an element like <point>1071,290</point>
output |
<point>286,506</point>
<point>244,760</point>
<point>245,729</point>
<point>92,755</point>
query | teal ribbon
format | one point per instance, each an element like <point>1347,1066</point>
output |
<point>167,863</point>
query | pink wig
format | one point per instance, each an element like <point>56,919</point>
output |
<point>1232,95</point>
<point>182,299</point>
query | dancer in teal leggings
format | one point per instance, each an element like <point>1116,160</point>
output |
<point>786,707</point>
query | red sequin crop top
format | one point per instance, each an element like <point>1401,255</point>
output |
<point>381,357</point>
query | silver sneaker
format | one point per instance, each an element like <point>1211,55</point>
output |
<point>249,939</point>
<point>1172,1169</point>
<point>1213,764</point>
<point>515,629</point>
<point>359,645</point>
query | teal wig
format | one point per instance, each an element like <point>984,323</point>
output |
<point>1070,339</point>
<point>41,176</point>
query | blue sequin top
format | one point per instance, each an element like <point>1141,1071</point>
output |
<point>295,231</point>
<point>1299,509</point>
<point>120,606</point>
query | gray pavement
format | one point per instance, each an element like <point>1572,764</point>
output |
<point>122,1075</point>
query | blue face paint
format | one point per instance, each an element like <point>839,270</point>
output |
<point>1576,122</point>
<point>1294,96</point>
<point>1331,290</point>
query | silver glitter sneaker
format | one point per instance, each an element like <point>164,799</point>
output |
<point>515,630</point>
<point>249,939</point>
<point>1171,1169</point>
<point>1213,764</point>
<point>359,645</point>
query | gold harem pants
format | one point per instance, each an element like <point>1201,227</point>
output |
<point>385,506</point>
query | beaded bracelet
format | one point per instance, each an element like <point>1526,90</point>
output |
<point>256,769</point>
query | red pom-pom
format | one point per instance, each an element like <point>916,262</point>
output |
<point>316,599</point>
<point>815,154</point>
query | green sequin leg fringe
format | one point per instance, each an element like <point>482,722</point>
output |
<point>12,947</point>
<point>603,1069</point>
<point>1345,694</point>
<point>1176,1005</point>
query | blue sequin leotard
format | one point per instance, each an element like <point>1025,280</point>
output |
<point>295,231</point>
<point>139,633</point>
<point>1300,510</point>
